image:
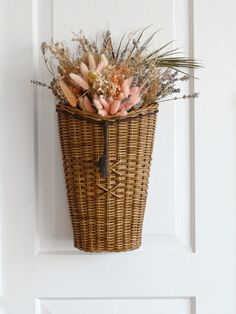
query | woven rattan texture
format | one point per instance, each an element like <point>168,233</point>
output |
<point>107,213</point>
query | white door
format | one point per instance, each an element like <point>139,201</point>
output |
<point>187,263</point>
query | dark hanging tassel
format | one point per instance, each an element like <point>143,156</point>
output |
<point>103,160</point>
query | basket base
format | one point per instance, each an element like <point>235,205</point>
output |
<point>108,250</point>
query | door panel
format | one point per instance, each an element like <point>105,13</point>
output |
<point>170,207</point>
<point>112,306</point>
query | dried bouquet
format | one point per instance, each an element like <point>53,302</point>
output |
<point>107,102</point>
<point>111,80</point>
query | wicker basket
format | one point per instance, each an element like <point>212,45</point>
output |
<point>106,165</point>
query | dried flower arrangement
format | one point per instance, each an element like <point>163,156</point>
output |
<point>113,81</point>
<point>107,102</point>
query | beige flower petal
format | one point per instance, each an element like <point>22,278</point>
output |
<point>125,86</point>
<point>97,103</point>
<point>91,62</point>
<point>115,107</point>
<point>100,66</point>
<point>123,112</point>
<point>103,59</point>
<point>88,105</point>
<point>102,112</point>
<point>84,71</point>
<point>79,80</point>
<point>70,97</point>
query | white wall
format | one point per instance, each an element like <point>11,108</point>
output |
<point>187,262</point>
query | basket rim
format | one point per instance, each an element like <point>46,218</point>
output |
<point>146,109</point>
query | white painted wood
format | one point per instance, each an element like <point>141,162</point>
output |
<point>187,262</point>
<point>113,306</point>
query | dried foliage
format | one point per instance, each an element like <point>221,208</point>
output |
<point>111,80</point>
